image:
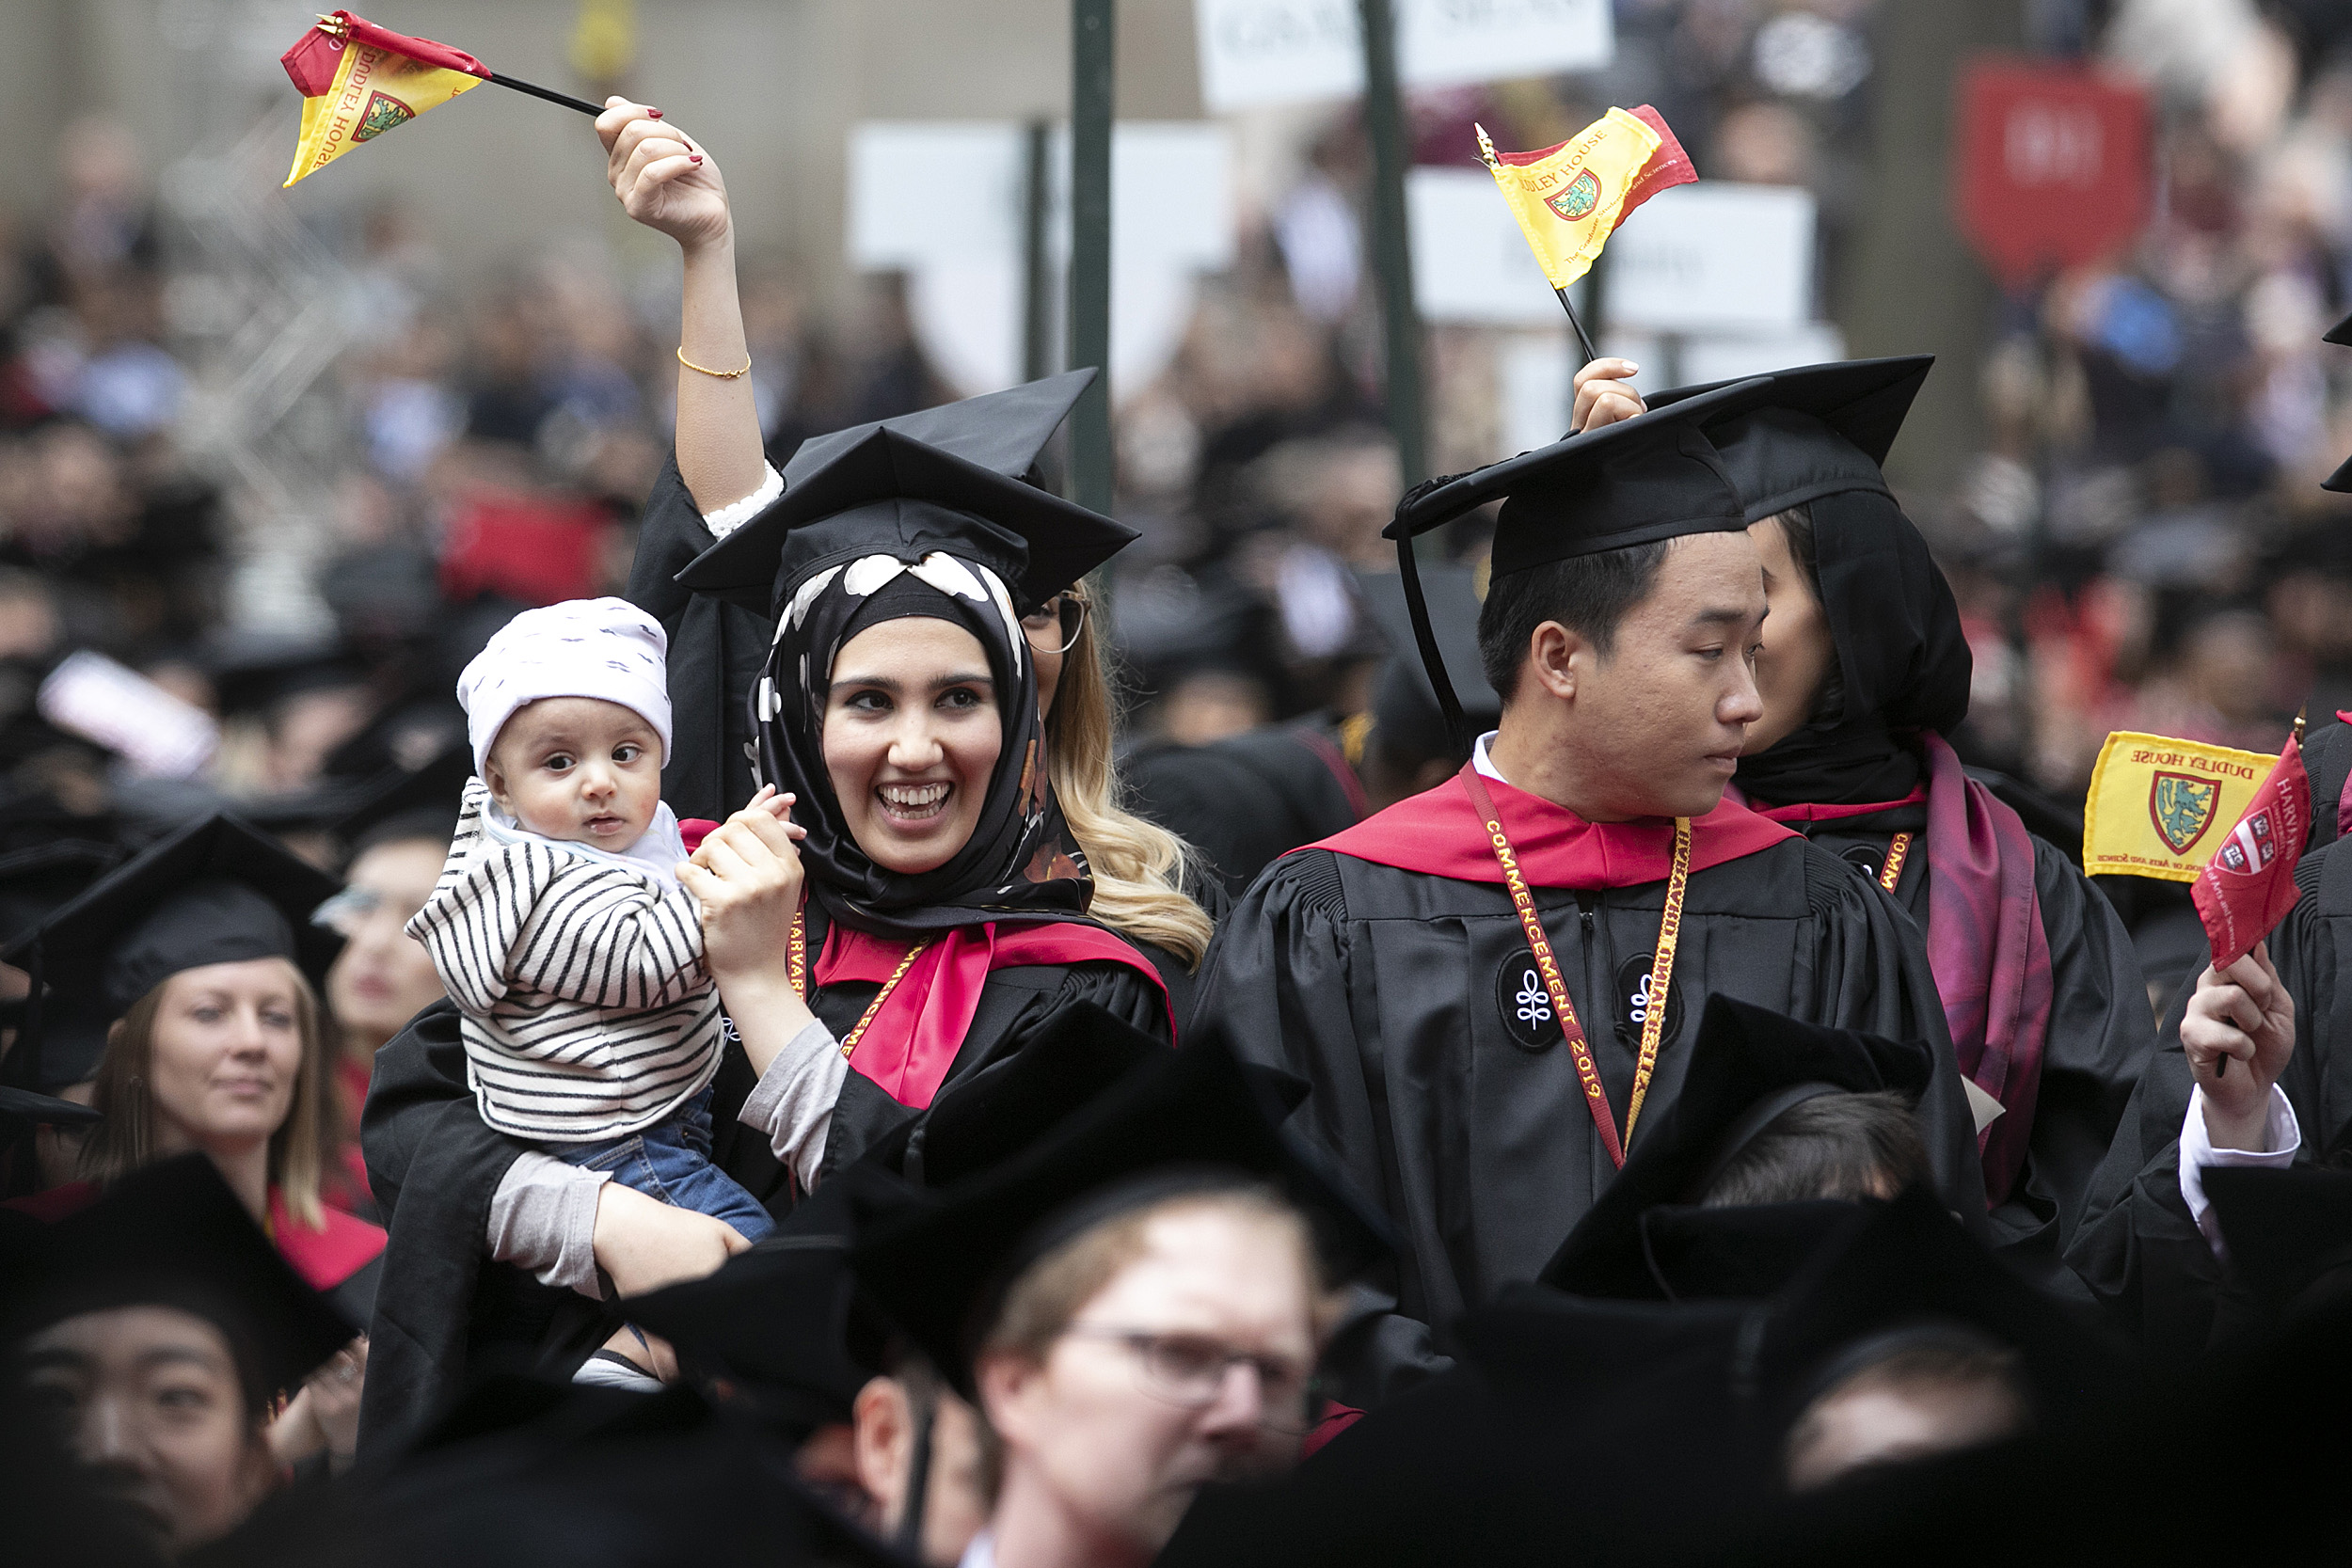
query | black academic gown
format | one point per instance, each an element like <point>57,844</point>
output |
<point>1395,994</point>
<point>2099,1041</point>
<point>435,1166</point>
<point>2136,1249</point>
<point>1245,800</point>
<point>717,651</point>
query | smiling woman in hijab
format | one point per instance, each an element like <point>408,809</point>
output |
<point>934,919</point>
<point>1863,673</point>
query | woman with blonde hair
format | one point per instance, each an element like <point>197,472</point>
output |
<point>1146,880</point>
<point>202,953</point>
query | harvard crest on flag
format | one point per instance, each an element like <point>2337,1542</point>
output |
<point>1570,199</point>
<point>359,81</point>
<point>2249,885</point>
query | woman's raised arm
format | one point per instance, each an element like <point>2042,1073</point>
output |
<point>667,182</point>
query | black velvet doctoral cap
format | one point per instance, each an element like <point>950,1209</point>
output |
<point>1189,1119</point>
<point>218,891</point>
<point>426,800</point>
<point>172,1234</point>
<point>1404,702</point>
<point>1747,1066</point>
<point>890,490</point>
<point>1815,431</point>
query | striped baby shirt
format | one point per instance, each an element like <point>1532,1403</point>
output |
<point>587,1014</point>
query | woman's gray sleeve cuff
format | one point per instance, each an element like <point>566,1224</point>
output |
<point>543,1217</point>
<point>794,1098</point>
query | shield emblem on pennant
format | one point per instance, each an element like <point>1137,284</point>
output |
<point>2182,806</point>
<point>384,111</point>
<point>1579,199</point>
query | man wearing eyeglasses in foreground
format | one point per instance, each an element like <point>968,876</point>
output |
<point>1135,1303</point>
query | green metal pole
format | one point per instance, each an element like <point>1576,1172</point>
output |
<point>1392,252</point>
<point>1037,282</point>
<point>1091,108</point>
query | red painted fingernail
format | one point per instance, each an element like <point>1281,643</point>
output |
<point>693,157</point>
<point>655,113</point>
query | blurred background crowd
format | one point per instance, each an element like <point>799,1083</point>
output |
<point>305,531</point>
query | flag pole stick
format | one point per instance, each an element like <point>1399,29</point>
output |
<point>548,93</point>
<point>1583,341</point>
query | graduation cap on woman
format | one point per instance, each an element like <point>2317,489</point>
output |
<point>1190,1118</point>
<point>1748,1067</point>
<point>219,891</point>
<point>172,1234</point>
<point>1816,438</point>
<point>404,802</point>
<point>1640,480</point>
<point>907,488</point>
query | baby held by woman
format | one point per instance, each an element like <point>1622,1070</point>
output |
<point>591,1025</point>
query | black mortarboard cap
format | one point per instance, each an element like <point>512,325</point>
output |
<point>1813,431</point>
<point>1909,1264</point>
<point>421,800</point>
<point>895,490</point>
<point>2340,481</point>
<point>251,673</point>
<point>1748,1066</point>
<point>2340,334</point>
<point>2289,1233</point>
<point>1403,703</point>
<point>1636,482</point>
<point>63,1036</point>
<point>784,1319</point>
<point>1190,1117</point>
<point>172,1234</point>
<point>1742,1252</point>
<point>20,1110</point>
<point>218,891</point>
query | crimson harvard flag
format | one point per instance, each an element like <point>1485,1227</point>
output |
<point>2249,885</point>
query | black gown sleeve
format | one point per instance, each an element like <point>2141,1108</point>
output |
<point>2100,1040</point>
<point>1283,982</point>
<point>2138,1250</point>
<point>1014,1009</point>
<point>716,653</point>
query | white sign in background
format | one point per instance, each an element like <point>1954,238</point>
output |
<point>943,203</point>
<point>1261,52</point>
<point>1714,257</point>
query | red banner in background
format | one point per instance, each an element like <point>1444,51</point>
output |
<point>2052,166</point>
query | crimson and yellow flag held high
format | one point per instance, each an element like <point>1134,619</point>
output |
<point>359,81</point>
<point>1570,199</point>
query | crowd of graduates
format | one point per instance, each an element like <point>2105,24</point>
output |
<point>757,986</point>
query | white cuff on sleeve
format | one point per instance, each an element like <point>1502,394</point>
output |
<point>543,1217</point>
<point>2282,1135</point>
<point>736,514</point>
<point>793,1100</point>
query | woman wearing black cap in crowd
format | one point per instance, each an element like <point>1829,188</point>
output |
<point>1863,673</point>
<point>204,959</point>
<point>1144,889</point>
<point>945,917</point>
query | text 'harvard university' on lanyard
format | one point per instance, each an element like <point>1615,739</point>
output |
<point>1539,947</point>
<point>797,955</point>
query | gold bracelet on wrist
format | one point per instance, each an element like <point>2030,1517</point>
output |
<point>721,375</point>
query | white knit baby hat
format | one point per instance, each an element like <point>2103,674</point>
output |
<point>605,648</point>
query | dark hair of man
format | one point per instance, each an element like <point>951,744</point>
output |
<point>1587,594</point>
<point>1833,1145</point>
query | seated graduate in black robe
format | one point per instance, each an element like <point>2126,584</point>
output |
<point>1863,673</point>
<point>1393,966</point>
<point>920,958</point>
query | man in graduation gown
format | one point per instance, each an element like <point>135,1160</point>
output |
<point>1393,965</point>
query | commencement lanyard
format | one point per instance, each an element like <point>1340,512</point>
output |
<point>1896,852</point>
<point>796,950</point>
<point>1539,946</point>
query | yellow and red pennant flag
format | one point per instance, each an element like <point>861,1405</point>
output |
<point>1570,199</point>
<point>359,81</point>
<point>2249,885</point>
<point>2160,807</point>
